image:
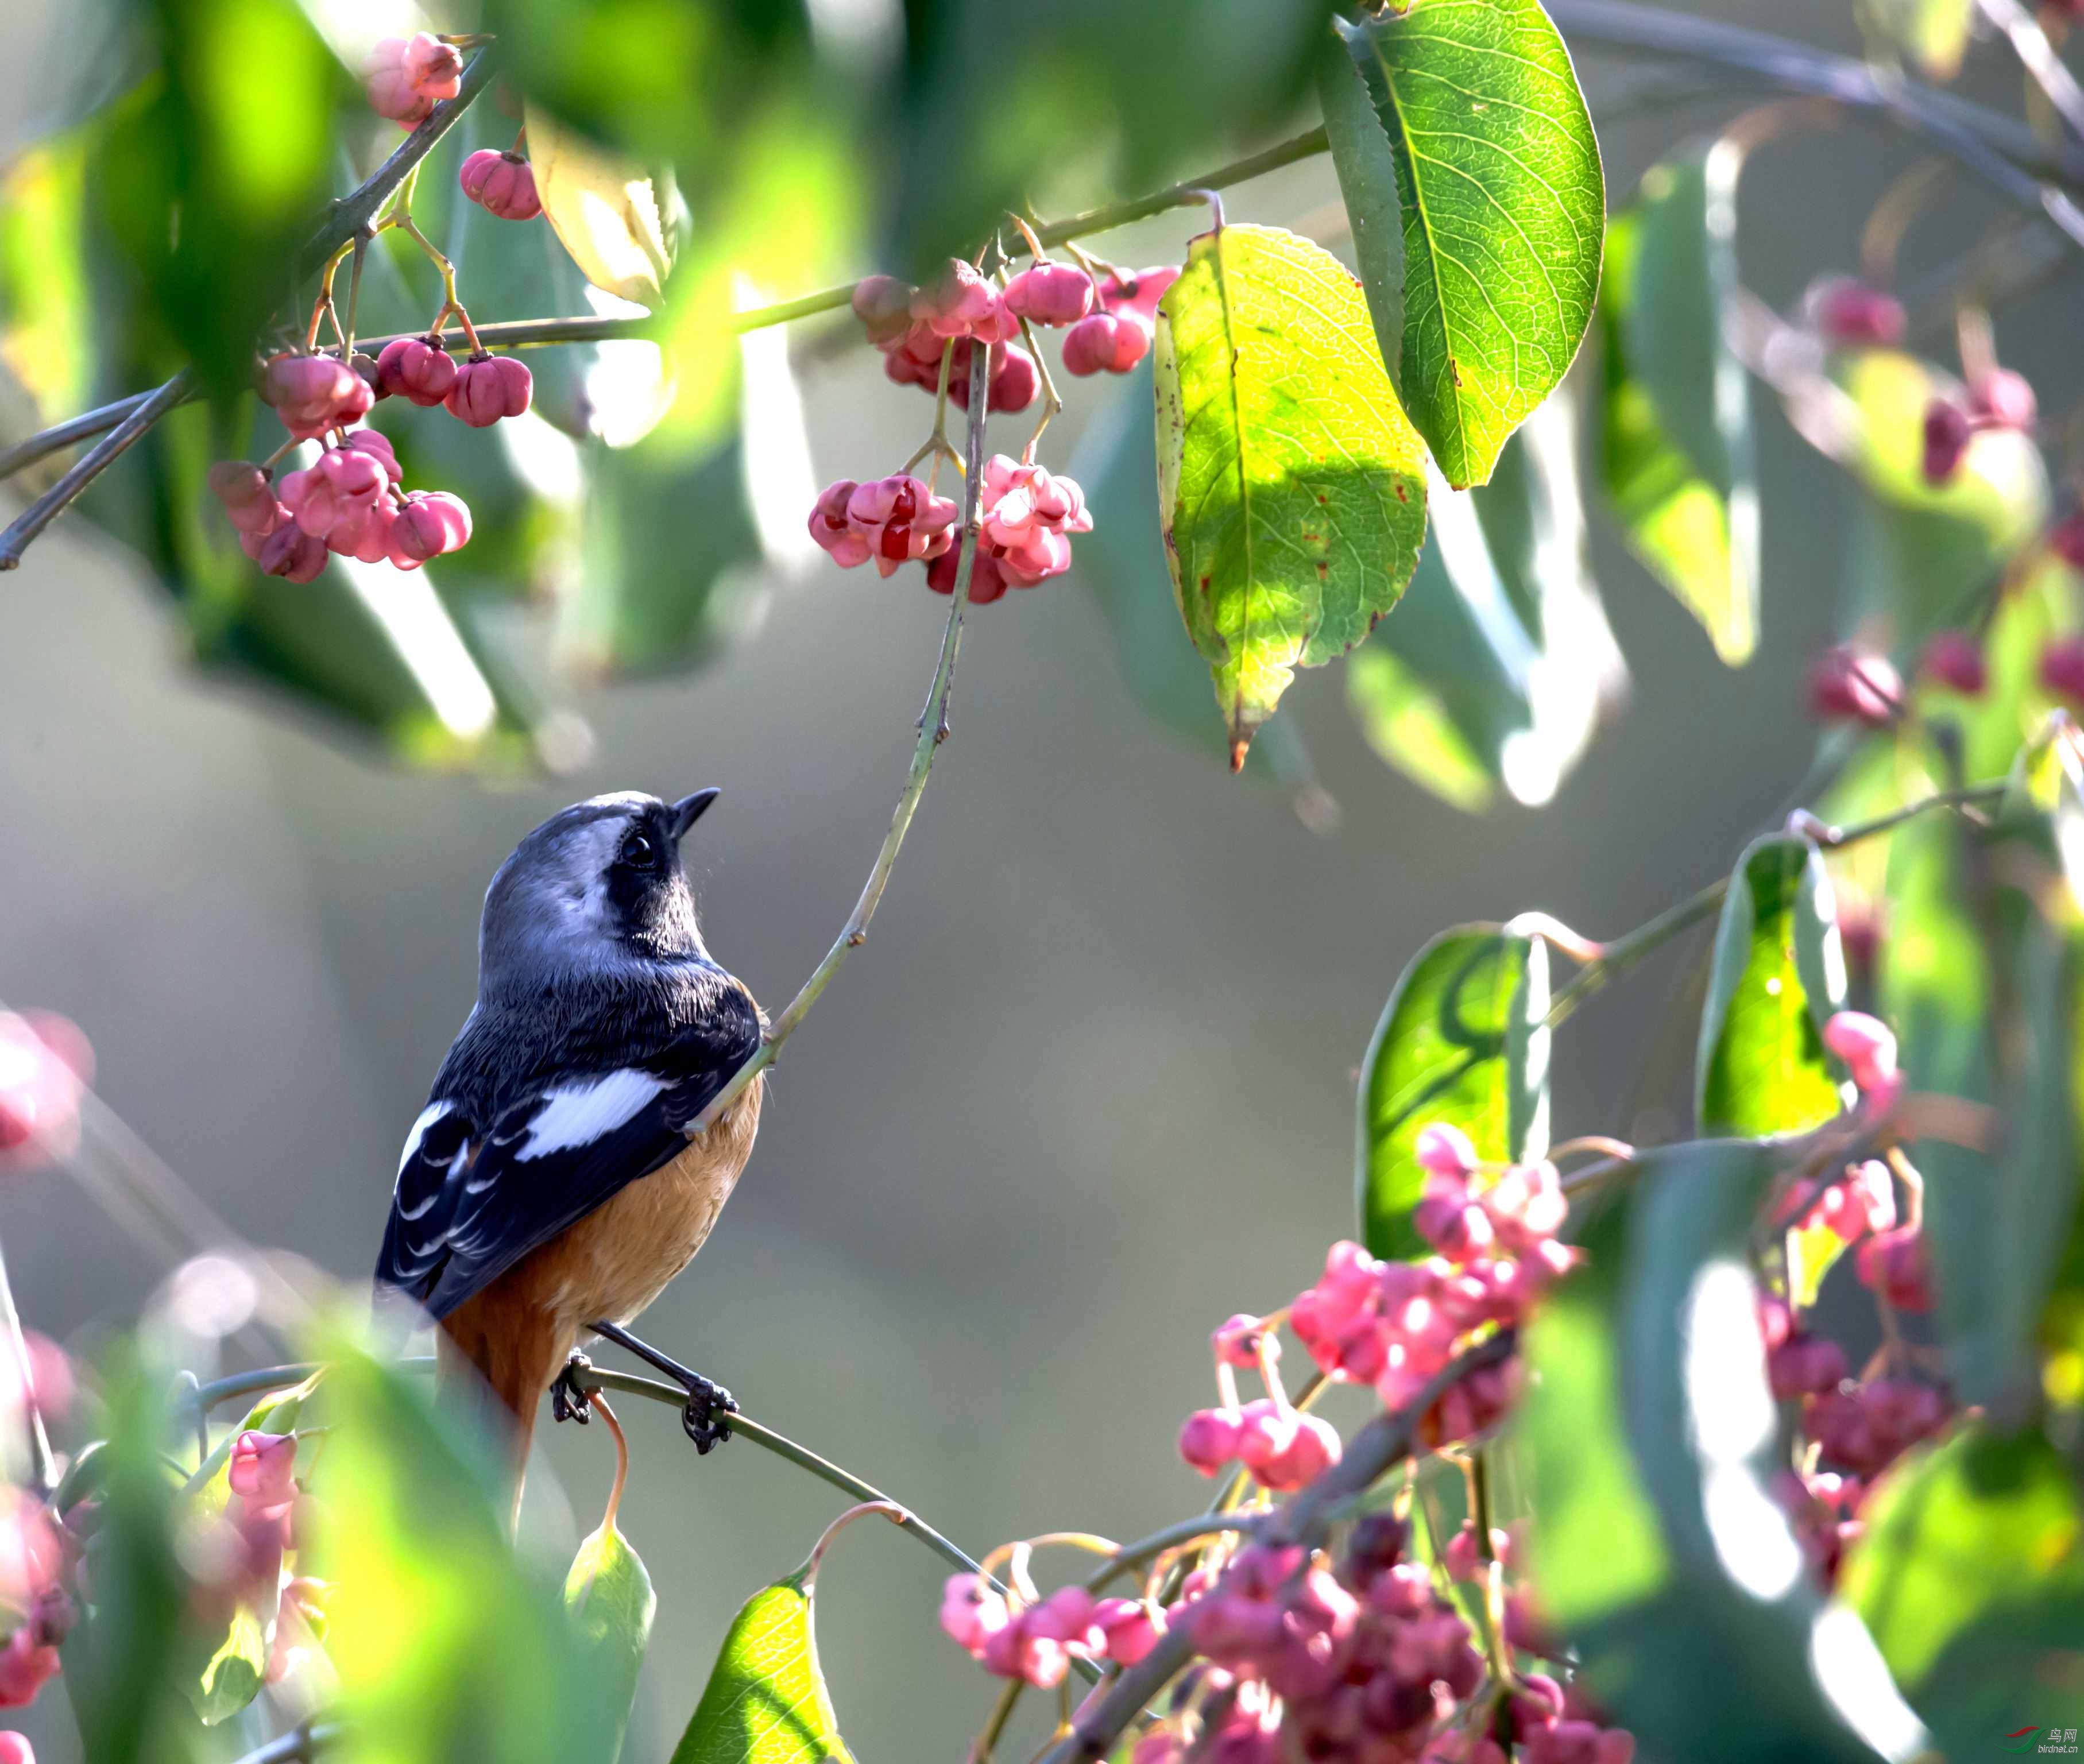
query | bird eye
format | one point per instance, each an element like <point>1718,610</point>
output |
<point>638,852</point>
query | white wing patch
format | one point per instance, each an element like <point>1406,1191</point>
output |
<point>578,1115</point>
<point>429,1115</point>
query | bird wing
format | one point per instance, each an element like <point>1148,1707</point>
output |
<point>477,1189</point>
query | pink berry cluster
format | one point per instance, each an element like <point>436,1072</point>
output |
<point>1853,1430</point>
<point>45,1063</point>
<point>406,76</point>
<point>1037,1638</point>
<point>1848,313</point>
<point>347,502</point>
<point>891,521</point>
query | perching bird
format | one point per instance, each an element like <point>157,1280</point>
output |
<point>551,1183</point>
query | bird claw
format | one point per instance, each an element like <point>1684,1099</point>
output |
<point>570,1400</point>
<point>707,1416</point>
<point>710,1407</point>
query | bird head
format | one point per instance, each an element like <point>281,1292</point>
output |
<point>598,889</point>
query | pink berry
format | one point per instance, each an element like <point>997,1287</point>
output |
<point>428,524</point>
<point>1847,686</point>
<point>833,531</point>
<point>1947,430</point>
<point>365,537</point>
<point>901,519</point>
<point>377,445</point>
<point>1104,343</point>
<point>1130,1627</point>
<point>1209,1438</point>
<point>986,583</point>
<point>289,551</point>
<point>25,1666</point>
<point>341,487</point>
<point>314,393</point>
<point>1050,294</point>
<point>262,1465</point>
<point>1311,1448</point>
<point>2065,539</point>
<point>2062,669</point>
<point>1238,1341</point>
<point>1804,1365</point>
<point>14,1748</point>
<point>406,76</point>
<point>1866,1046</point>
<point>501,183</point>
<point>973,1611</point>
<point>961,301</point>
<point>1894,1264</point>
<point>1845,311</point>
<point>248,498</point>
<point>884,305</point>
<point>489,387</point>
<point>1954,660</point>
<point>417,368</point>
<point>1461,1558</point>
<point>2004,399</point>
<point>1444,1150</point>
<point>1015,381</point>
<point>1139,291</point>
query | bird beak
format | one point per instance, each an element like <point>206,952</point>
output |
<point>688,809</point>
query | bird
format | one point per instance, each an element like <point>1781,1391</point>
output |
<point>552,1185</point>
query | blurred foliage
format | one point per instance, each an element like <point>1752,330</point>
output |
<point>1675,420</point>
<point>1462,1041</point>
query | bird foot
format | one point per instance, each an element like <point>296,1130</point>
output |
<point>571,1398</point>
<point>709,1406</point>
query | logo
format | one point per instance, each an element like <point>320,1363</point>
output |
<point>2044,1742</point>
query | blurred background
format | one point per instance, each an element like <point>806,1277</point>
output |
<point>1087,1089</point>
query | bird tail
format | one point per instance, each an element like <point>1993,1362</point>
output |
<point>496,1363</point>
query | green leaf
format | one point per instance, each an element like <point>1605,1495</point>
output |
<point>1503,206</point>
<point>1366,171</point>
<point>1292,488</point>
<point>210,177</point>
<point>616,218</point>
<point>766,1702</point>
<point>1989,1018</point>
<point>1463,1040</point>
<point>1405,717</point>
<point>1675,427</point>
<point>609,1600</point>
<point>1778,974</point>
<point>447,1644</point>
<point>1976,1539</point>
<point>1651,1443</point>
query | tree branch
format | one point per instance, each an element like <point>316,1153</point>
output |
<point>1304,1521</point>
<point>932,731</point>
<point>300,1744</point>
<point>2037,55</point>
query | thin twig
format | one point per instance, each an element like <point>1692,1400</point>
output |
<point>298,1743</point>
<point>1382,1443</point>
<point>933,730</point>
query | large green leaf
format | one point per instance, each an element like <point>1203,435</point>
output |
<point>1975,1541</point>
<point>447,1643</point>
<point>1503,206</point>
<point>1463,1040</point>
<point>1292,489</point>
<point>1778,974</point>
<point>1651,1442</point>
<point>766,1702</point>
<point>209,176</point>
<point>1983,1002</point>
<point>608,1597</point>
<point>1675,428</point>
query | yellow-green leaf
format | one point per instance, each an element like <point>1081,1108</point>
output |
<point>1292,487</point>
<point>614,216</point>
<point>766,1702</point>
